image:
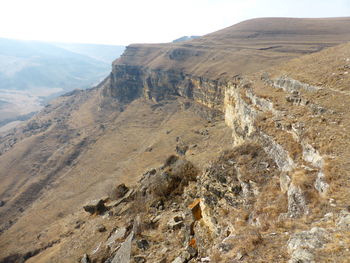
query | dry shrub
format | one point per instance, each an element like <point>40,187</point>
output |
<point>216,256</point>
<point>245,242</point>
<point>271,202</point>
<point>303,179</point>
<point>172,178</point>
<point>138,205</point>
<point>252,161</point>
<point>334,251</point>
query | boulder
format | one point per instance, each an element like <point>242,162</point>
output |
<point>118,234</point>
<point>302,244</point>
<point>142,244</point>
<point>121,190</point>
<point>79,223</point>
<point>85,259</point>
<point>2,203</point>
<point>184,257</point>
<point>181,149</point>
<point>344,220</point>
<point>101,228</point>
<point>123,253</point>
<point>296,202</point>
<point>176,222</point>
<point>139,259</point>
<point>179,259</point>
<point>95,207</point>
<point>314,238</point>
<point>301,256</point>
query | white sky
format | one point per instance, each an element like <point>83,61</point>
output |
<point>144,21</point>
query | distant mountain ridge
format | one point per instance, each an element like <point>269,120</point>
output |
<point>32,72</point>
<point>31,64</point>
<point>105,53</point>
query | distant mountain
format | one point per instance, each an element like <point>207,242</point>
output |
<point>27,65</point>
<point>105,53</point>
<point>33,72</point>
<point>185,38</point>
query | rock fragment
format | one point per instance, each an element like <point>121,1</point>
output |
<point>121,190</point>
<point>176,222</point>
<point>101,228</point>
<point>123,253</point>
<point>142,244</point>
<point>95,207</point>
<point>118,234</point>
<point>85,259</point>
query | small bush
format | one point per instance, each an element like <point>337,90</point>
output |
<point>171,179</point>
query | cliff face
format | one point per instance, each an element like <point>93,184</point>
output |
<point>252,117</point>
<point>200,69</point>
<point>131,82</point>
<point>278,175</point>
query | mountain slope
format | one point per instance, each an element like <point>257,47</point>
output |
<point>33,72</point>
<point>278,193</point>
<point>29,65</point>
<point>243,48</point>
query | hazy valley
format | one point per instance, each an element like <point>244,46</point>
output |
<point>32,72</point>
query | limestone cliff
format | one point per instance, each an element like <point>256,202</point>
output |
<point>280,170</point>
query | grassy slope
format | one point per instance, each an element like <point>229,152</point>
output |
<point>242,48</point>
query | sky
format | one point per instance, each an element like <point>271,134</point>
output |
<point>144,21</point>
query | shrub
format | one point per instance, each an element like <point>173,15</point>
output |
<point>171,179</point>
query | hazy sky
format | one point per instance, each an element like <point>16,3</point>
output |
<point>144,21</point>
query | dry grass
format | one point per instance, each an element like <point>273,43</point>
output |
<point>171,178</point>
<point>243,48</point>
<point>118,156</point>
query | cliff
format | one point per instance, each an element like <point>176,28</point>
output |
<point>257,113</point>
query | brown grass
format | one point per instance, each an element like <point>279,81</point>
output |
<point>241,48</point>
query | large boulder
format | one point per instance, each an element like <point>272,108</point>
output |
<point>301,245</point>
<point>95,207</point>
<point>118,234</point>
<point>124,252</point>
<point>121,190</point>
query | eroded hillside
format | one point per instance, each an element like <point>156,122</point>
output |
<point>224,158</point>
